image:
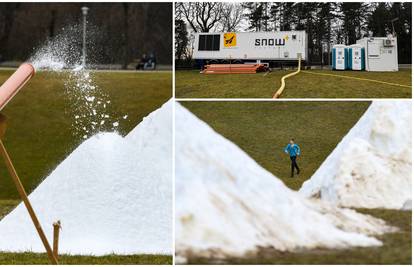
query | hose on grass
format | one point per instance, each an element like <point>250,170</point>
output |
<point>357,78</point>
<point>283,84</point>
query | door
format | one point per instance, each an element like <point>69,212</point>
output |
<point>356,58</point>
<point>340,58</point>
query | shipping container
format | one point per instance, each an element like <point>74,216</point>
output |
<point>251,46</point>
<point>381,53</point>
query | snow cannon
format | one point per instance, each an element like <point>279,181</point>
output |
<point>16,81</point>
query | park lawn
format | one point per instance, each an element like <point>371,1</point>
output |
<point>262,129</point>
<point>40,135</point>
<point>192,84</point>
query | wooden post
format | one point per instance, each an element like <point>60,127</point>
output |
<point>56,228</point>
<point>24,197</point>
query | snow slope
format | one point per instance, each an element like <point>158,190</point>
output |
<point>371,166</point>
<point>227,205</point>
<point>111,194</point>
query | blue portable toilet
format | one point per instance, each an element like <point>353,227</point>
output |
<point>356,57</point>
<point>339,57</point>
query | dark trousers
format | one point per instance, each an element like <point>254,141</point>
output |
<point>294,165</point>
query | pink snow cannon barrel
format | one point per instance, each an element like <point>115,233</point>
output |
<point>18,79</point>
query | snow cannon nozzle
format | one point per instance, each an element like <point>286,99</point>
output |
<point>15,82</point>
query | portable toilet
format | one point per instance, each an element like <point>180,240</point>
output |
<point>381,53</point>
<point>356,57</point>
<point>339,57</point>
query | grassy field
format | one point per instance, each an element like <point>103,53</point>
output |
<point>192,84</point>
<point>40,136</point>
<point>262,129</point>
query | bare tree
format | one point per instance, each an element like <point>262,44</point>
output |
<point>201,16</point>
<point>232,16</point>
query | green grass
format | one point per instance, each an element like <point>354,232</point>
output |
<point>41,259</point>
<point>262,129</point>
<point>39,133</point>
<point>40,136</point>
<point>192,84</point>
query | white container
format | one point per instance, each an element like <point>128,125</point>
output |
<point>356,57</point>
<point>284,45</point>
<point>381,53</point>
<point>339,57</point>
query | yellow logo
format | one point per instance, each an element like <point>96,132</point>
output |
<point>286,37</point>
<point>230,39</point>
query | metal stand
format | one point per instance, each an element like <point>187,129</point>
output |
<point>22,192</point>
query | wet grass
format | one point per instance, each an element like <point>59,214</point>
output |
<point>192,84</point>
<point>262,129</point>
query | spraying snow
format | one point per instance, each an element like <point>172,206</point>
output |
<point>228,205</point>
<point>112,195</point>
<point>90,105</point>
<point>371,166</point>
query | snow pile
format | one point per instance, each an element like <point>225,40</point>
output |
<point>371,166</point>
<point>112,195</point>
<point>227,205</point>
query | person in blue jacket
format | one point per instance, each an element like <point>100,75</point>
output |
<point>294,151</point>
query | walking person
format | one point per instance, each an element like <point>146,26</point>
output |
<point>294,151</point>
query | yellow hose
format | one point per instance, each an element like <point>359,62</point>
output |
<point>357,78</point>
<point>282,86</point>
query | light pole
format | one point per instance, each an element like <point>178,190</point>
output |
<point>84,13</point>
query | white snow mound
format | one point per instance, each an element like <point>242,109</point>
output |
<point>111,194</point>
<point>371,166</point>
<point>227,204</point>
